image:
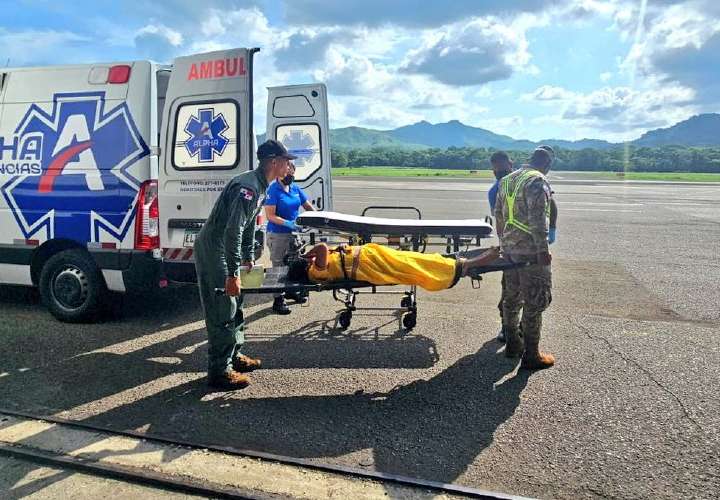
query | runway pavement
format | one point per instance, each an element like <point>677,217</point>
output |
<point>630,410</point>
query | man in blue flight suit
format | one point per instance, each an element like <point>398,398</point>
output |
<point>224,245</point>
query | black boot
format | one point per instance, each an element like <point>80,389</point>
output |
<point>280,307</point>
<point>298,297</point>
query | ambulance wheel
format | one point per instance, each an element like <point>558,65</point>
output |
<point>409,320</point>
<point>72,286</point>
<point>344,319</point>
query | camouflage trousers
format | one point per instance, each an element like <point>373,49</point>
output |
<point>528,289</point>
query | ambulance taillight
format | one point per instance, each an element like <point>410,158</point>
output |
<point>147,220</point>
<point>101,75</point>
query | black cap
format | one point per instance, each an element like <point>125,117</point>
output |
<point>541,156</point>
<point>549,149</point>
<point>273,149</point>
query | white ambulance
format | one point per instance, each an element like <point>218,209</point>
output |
<point>108,171</point>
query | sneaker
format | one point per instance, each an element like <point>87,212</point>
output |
<point>229,381</point>
<point>280,307</point>
<point>242,363</point>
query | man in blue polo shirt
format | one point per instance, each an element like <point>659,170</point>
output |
<point>282,205</point>
<point>502,165</point>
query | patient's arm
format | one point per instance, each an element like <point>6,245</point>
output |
<point>318,255</point>
<point>484,259</point>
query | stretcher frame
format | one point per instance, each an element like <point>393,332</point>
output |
<point>346,292</point>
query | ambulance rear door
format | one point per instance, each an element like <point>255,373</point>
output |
<point>297,116</point>
<point>206,140</point>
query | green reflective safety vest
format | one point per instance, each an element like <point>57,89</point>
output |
<point>511,193</point>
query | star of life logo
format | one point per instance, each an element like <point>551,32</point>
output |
<point>302,145</point>
<point>206,135</point>
<point>68,173</point>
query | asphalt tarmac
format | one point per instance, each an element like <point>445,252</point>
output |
<point>630,409</point>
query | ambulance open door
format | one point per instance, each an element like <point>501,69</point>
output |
<point>297,116</point>
<point>206,140</point>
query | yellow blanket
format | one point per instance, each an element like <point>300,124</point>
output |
<point>381,265</point>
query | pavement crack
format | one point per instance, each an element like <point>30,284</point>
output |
<point>647,373</point>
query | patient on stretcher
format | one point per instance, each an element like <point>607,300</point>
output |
<point>382,265</point>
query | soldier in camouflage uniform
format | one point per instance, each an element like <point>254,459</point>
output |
<point>522,211</point>
<point>225,244</point>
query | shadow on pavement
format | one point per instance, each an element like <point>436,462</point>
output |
<point>431,429</point>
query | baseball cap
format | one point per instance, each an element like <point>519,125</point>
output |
<point>273,149</point>
<point>549,150</point>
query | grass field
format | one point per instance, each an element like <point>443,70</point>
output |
<point>487,174</point>
<point>652,176</point>
<point>410,172</point>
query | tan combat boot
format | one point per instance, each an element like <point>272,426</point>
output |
<point>242,363</point>
<point>533,359</point>
<point>229,381</point>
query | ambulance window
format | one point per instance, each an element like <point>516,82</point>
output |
<point>206,136</point>
<point>302,140</point>
<point>292,106</point>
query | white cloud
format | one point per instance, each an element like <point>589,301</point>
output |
<point>681,46</point>
<point>549,93</point>
<point>406,13</point>
<point>173,37</point>
<point>607,75</point>
<point>623,109</point>
<point>158,42</point>
<point>471,53</point>
<point>38,47</point>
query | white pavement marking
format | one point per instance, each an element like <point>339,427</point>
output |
<point>598,203</point>
<point>598,210</point>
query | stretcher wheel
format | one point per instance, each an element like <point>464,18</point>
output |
<point>409,320</point>
<point>344,319</point>
<point>405,302</point>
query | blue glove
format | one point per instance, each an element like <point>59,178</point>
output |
<point>291,225</point>
<point>552,234</point>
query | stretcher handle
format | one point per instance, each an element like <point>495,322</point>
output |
<point>384,207</point>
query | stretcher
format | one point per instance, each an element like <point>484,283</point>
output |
<point>346,291</point>
<point>414,234</point>
<point>409,234</point>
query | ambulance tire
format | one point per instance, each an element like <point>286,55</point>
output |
<point>72,287</point>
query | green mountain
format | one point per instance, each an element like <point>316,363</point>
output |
<point>699,130</point>
<point>363,138</point>
<point>454,133</point>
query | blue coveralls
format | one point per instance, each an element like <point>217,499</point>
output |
<point>225,241</point>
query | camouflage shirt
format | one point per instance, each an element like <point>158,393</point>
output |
<point>530,210</point>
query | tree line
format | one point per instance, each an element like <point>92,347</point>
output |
<point>620,159</point>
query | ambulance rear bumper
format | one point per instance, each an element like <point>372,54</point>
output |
<point>142,272</point>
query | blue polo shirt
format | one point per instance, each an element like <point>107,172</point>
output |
<point>287,204</point>
<point>492,196</point>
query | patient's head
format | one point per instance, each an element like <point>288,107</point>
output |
<point>298,270</point>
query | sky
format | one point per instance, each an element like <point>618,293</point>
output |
<point>531,69</point>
